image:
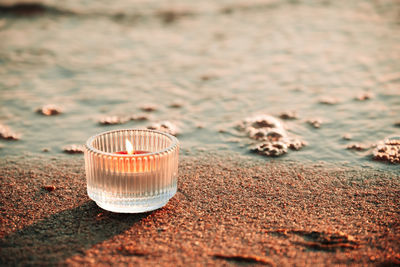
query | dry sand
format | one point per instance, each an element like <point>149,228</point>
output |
<point>226,211</point>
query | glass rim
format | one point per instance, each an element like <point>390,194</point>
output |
<point>89,146</point>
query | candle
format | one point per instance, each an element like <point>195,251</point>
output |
<point>131,176</point>
<point>130,150</point>
<point>134,153</point>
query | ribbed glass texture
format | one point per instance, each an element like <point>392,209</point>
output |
<point>131,183</point>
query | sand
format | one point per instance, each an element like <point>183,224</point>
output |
<point>331,67</point>
<point>227,211</point>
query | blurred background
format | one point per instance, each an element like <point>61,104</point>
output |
<point>200,68</point>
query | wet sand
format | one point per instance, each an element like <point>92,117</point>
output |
<point>204,66</point>
<point>228,210</point>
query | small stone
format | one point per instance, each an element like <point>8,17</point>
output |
<point>49,188</point>
<point>347,136</point>
<point>288,115</point>
<point>73,149</point>
<point>358,147</point>
<point>176,105</point>
<point>46,149</point>
<point>171,15</point>
<point>7,134</point>
<point>316,123</point>
<point>112,120</point>
<point>207,77</point>
<point>397,124</point>
<point>149,108</point>
<point>165,126</point>
<point>49,110</point>
<point>140,117</point>
<point>99,216</point>
<point>297,88</point>
<point>364,96</point>
<point>227,10</point>
<point>328,100</point>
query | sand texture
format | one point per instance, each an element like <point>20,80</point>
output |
<point>227,211</point>
<point>199,68</point>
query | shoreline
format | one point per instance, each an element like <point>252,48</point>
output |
<point>228,210</point>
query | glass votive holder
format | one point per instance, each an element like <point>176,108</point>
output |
<point>131,183</point>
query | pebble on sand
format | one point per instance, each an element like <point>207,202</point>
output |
<point>73,149</point>
<point>149,108</point>
<point>115,120</point>
<point>200,125</point>
<point>271,135</point>
<point>358,147</point>
<point>168,16</point>
<point>165,126</point>
<point>364,96</point>
<point>140,117</point>
<point>49,188</point>
<point>328,100</point>
<point>388,150</point>
<point>112,120</point>
<point>49,110</point>
<point>176,105</point>
<point>289,115</point>
<point>207,77</point>
<point>347,136</point>
<point>316,123</point>
<point>7,134</point>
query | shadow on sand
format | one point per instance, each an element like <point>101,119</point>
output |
<point>62,235</point>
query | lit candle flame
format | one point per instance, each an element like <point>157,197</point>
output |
<point>129,147</point>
